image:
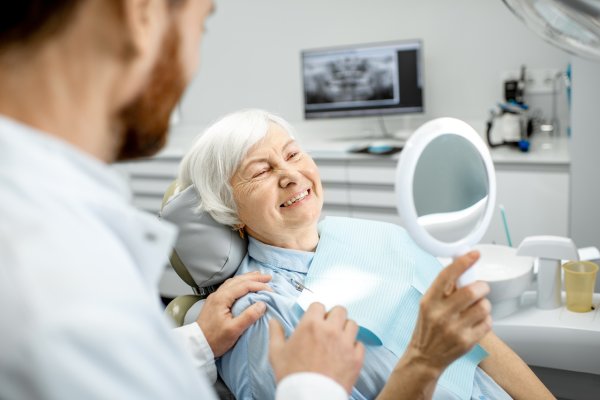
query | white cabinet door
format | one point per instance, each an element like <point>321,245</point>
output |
<point>536,202</point>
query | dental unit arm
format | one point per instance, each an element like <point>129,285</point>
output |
<point>549,250</point>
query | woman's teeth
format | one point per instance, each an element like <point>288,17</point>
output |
<point>295,199</point>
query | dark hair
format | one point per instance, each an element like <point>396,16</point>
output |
<point>26,22</point>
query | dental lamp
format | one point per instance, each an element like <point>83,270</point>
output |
<point>572,25</point>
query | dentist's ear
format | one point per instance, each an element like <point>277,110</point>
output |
<point>144,24</point>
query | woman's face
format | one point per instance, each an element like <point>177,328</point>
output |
<point>277,188</point>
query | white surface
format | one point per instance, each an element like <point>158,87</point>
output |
<point>584,190</point>
<point>507,274</point>
<point>557,338</point>
<point>404,184</point>
<point>549,247</point>
<point>502,263</point>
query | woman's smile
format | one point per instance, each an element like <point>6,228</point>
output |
<point>297,199</point>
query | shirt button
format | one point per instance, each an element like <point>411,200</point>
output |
<point>150,236</point>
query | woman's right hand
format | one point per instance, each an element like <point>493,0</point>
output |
<point>451,320</point>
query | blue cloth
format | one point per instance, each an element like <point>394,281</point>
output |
<point>246,369</point>
<point>381,288</point>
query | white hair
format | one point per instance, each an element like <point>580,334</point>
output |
<point>216,155</point>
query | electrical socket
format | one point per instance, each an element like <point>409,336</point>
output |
<point>537,81</point>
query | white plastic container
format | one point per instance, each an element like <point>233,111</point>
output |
<point>507,274</point>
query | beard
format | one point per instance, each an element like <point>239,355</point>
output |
<point>144,123</point>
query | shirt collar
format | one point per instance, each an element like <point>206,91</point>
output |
<point>278,257</point>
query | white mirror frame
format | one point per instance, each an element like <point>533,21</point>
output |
<point>405,172</point>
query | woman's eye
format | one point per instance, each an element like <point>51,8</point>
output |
<point>294,155</point>
<point>259,173</point>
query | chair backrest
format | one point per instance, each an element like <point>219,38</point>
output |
<point>206,252</point>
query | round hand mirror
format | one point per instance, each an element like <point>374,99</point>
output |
<point>446,189</point>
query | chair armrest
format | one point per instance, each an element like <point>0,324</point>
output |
<point>179,306</point>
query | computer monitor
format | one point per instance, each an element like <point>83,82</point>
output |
<point>367,79</point>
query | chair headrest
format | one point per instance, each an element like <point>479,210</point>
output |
<point>209,251</point>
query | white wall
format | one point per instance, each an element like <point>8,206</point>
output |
<point>585,159</point>
<point>251,57</point>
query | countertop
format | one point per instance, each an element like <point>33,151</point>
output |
<point>544,151</point>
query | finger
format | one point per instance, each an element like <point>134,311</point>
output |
<point>351,330</point>
<point>249,276</point>
<point>475,314</point>
<point>249,316</point>
<point>448,276</point>
<point>466,296</point>
<point>315,310</point>
<point>255,276</point>
<point>359,349</point>
<point>276,336</point>
<point>479,331</point>
<point>234,292</point>
<point>337,316</point>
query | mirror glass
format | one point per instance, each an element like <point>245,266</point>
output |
<point>450,188</point>
<point>446,188</point>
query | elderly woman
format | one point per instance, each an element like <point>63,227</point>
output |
<point>252,175</point>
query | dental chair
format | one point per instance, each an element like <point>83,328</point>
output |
<point>206,253</point>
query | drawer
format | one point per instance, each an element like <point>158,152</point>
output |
<point>151,186</point>
<point>148,203</point>
<point>384,215</point>
<point>336,194</point>
<point>372,196</point>
<point>372,173</point>
<point>336,173</point>
<point>163,169</point>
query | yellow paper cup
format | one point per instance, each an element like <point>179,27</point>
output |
<point>580,277</point>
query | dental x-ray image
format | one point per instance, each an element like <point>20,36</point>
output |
<point>351,79</point>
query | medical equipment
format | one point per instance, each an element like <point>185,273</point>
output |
<point>509,126</point>
<point>446,189</point>
<point>508,276</point>
<point>573,25</point>
<point>550,250</point>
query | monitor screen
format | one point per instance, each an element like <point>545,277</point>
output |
<point>370,79</point>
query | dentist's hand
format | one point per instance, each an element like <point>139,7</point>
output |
<point>451,321</point>
<point>218,324</point>
<point>323,342</point>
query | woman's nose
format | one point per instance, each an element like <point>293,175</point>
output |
<point>288,177</point>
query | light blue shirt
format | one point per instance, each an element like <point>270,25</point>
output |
<point>246,369</point>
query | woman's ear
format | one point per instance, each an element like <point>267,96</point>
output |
<point>240,228</point>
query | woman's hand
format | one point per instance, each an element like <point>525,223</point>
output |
<point>451,321</point>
